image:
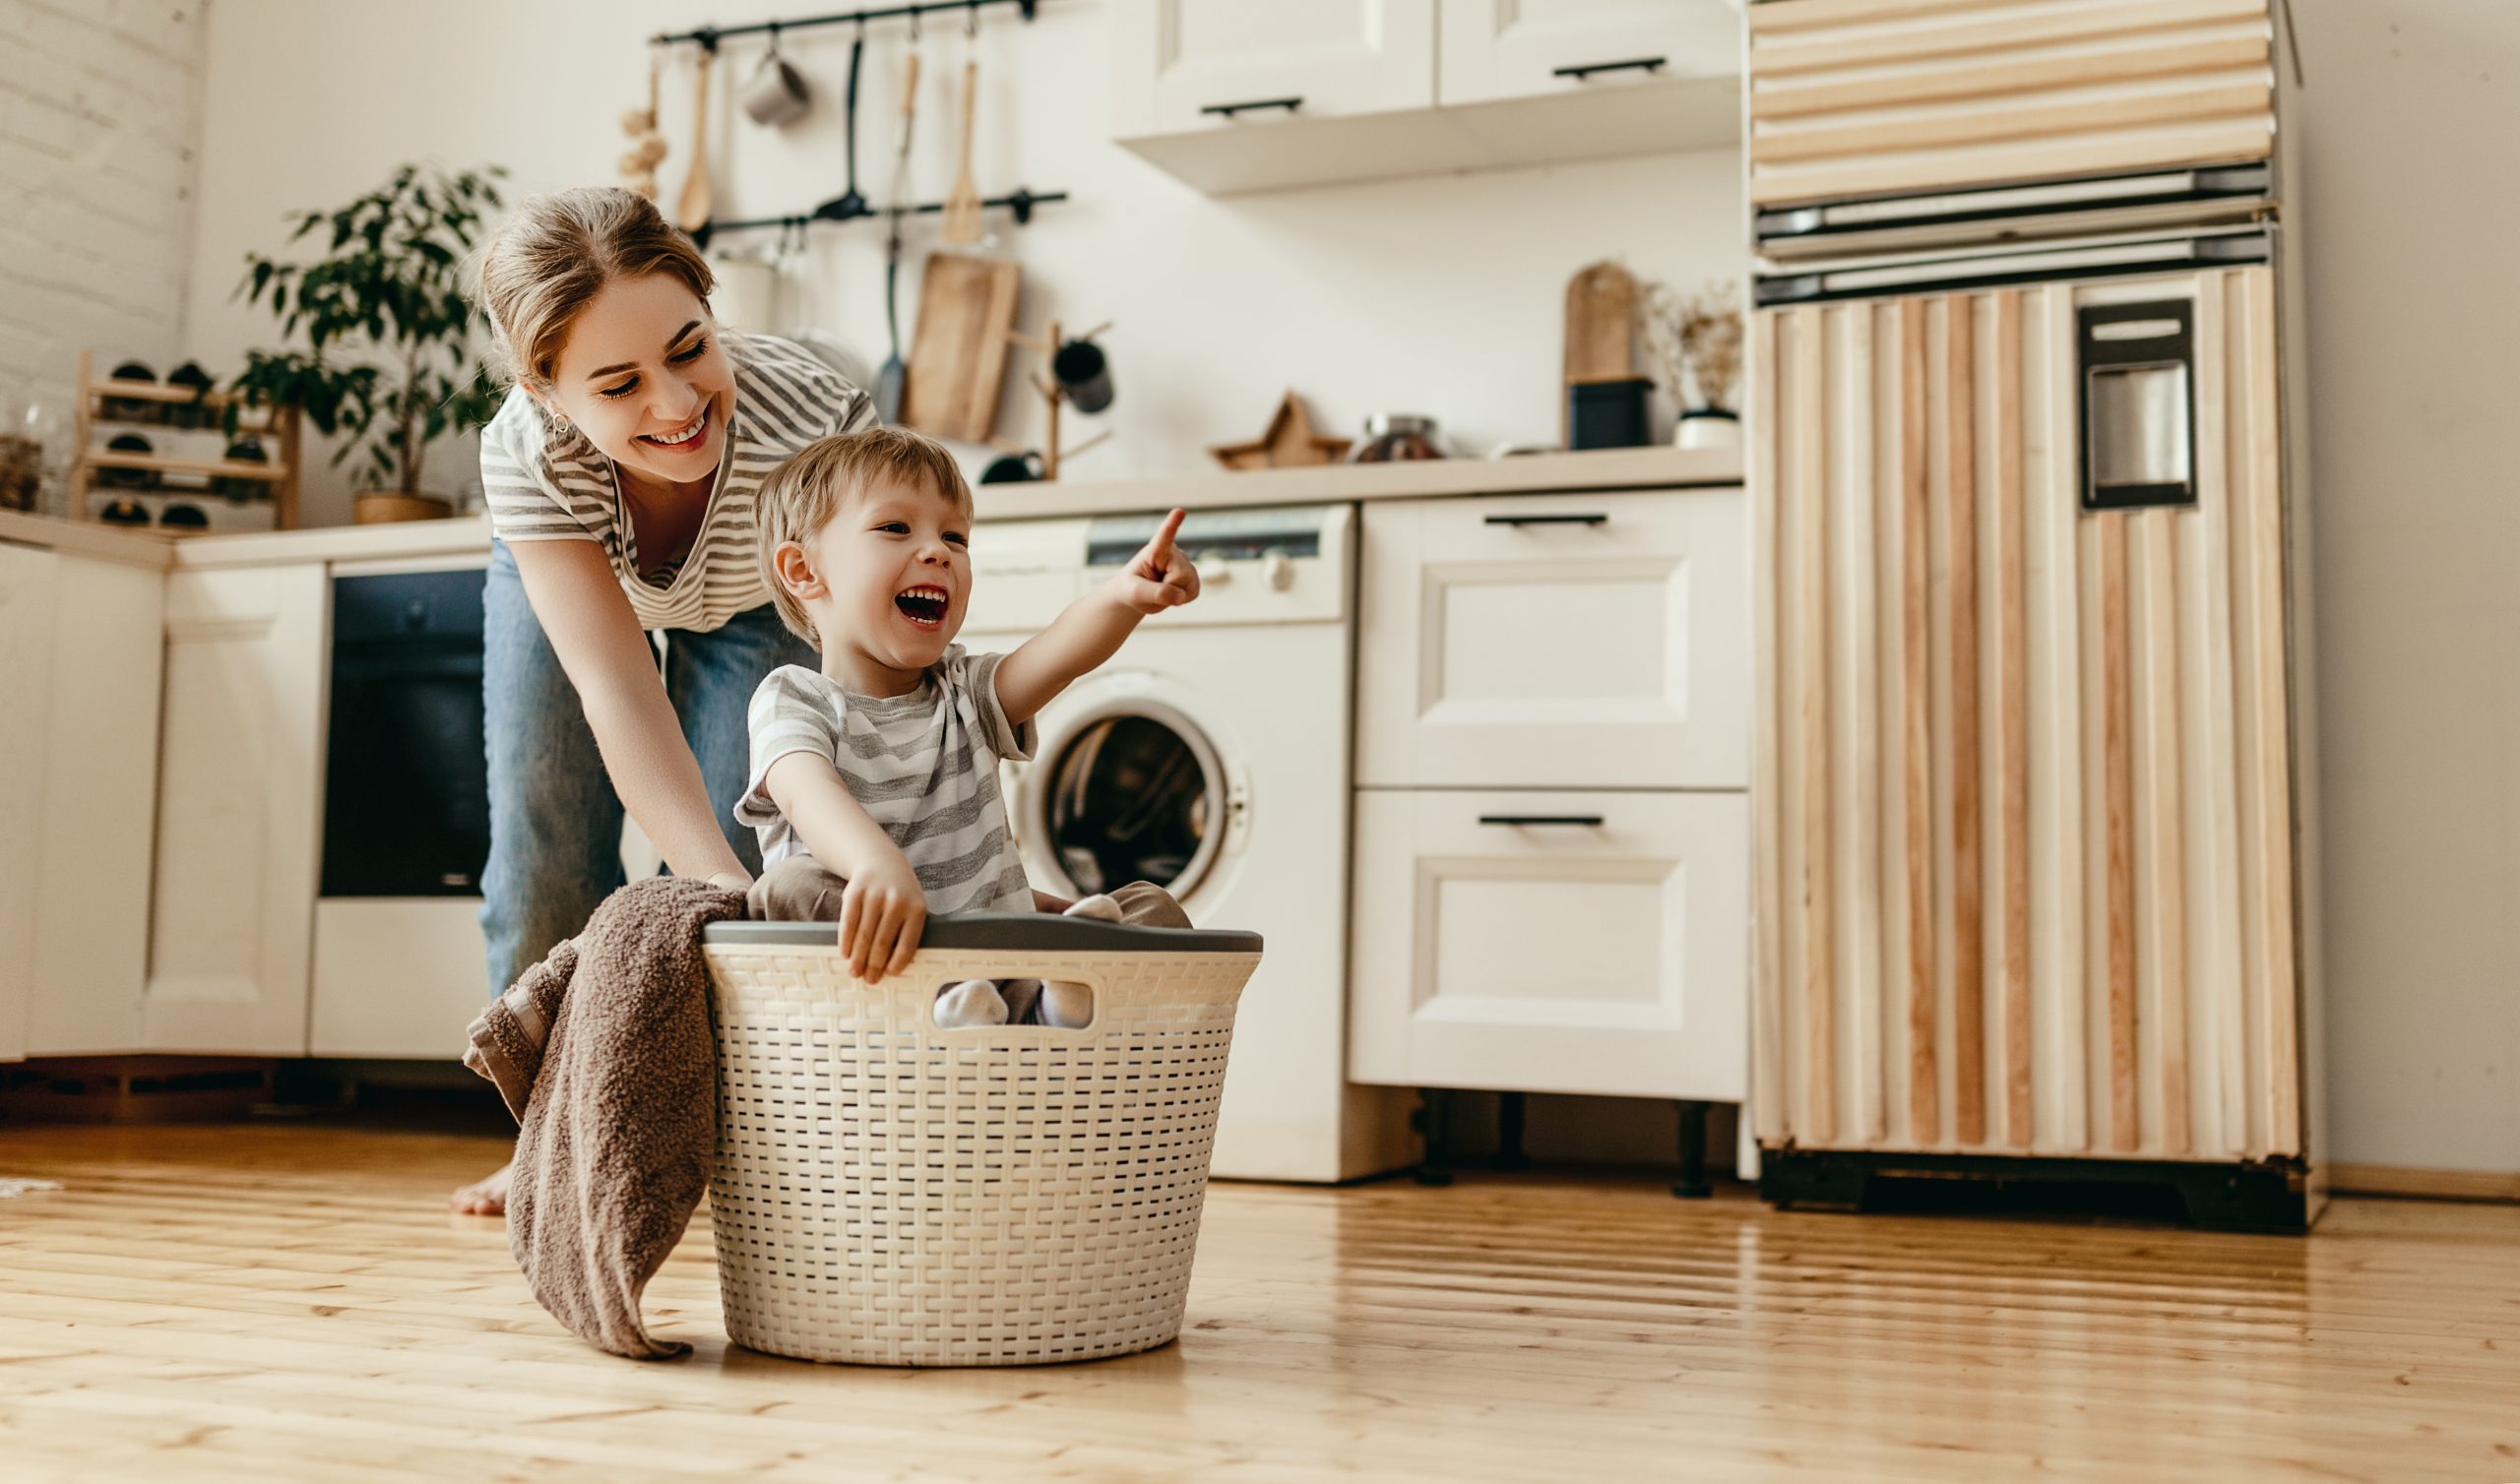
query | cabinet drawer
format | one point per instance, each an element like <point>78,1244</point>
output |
<point>1191,66</point>
<point>1560,641</point>
<point>1604,957</point>
<point>1491,49</point>
<point>1865,97</point>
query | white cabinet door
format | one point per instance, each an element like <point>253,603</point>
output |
<point>26,587</point>
<point>1582,640</point>
<point>1525,48</point>
<point>1179,62</point>
<point>239,799</point>
<point>99,809</point>
<point>1552,942</point>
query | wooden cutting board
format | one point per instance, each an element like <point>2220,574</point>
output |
<point>957,351</point>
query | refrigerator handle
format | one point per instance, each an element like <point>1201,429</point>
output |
<point>2137,365</point>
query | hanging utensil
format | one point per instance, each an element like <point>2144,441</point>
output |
<point>895,373</point>
<point>850,205</point>
<point>963,204</point>
<point>692,214</point>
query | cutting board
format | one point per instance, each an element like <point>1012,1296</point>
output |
<point>957,351</point>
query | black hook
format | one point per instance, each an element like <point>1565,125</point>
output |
<point>1020,204</point>
<point>707,37</point>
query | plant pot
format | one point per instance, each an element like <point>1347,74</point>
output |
<point>374,510</point>
<point>1708,428</point>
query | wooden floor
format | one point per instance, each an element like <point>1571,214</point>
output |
<point>294,1303</point>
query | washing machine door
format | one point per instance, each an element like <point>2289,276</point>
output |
<point>1123,786</point>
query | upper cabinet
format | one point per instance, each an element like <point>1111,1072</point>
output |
<point>1214,61</point>
<point>1232,96</point>
<point>1494,49</point>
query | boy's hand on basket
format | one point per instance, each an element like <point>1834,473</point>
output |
<point>1158,577</point>
<point>882,911</point>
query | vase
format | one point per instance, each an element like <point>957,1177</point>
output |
<point>1708,428</point>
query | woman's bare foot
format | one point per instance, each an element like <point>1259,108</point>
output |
<point>485,1198</point>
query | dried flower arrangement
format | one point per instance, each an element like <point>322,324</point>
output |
<point>1696,341</point>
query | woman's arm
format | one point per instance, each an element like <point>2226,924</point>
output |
<point>587,616</point>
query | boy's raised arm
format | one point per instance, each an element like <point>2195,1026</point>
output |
<point>1095,626</point>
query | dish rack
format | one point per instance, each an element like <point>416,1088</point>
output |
<point>892,1193</point>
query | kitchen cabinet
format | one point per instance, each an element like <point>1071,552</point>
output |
<point>80,642</point>
<point>1552,942</point>
<point>1552,830</point>
<point>1492,49</point>
<point>239,800</point>
<point>1233,97</point>
<point>1588,641</point>
<point>1204,64</point>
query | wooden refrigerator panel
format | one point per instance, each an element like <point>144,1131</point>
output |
<point>2023,772</point>
<point>1862,97</point>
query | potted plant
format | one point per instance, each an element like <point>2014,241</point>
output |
<point>385,330</point>
<point>1696,341</point>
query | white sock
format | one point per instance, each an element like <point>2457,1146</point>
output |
<point>1100,908</point>
<point>1066,1005</point>
<point>972,1002</point>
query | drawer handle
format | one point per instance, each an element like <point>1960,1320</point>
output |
<point>1547,520</point>
<point>1590,820</point>
<point>1633,64</point>
<point>1228,110</point>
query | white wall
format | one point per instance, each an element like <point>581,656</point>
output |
<point>1442,295</point>
<point>2412,134</point>
<point>97,105</point>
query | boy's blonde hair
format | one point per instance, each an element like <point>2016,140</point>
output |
<point>556,253</point>
<point>803,494</point>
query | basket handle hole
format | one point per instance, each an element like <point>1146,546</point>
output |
<point>976,1004</point>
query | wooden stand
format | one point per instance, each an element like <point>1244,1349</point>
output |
<point>1046,347</point>
<point>277,428</point>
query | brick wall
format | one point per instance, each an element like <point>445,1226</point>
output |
<point>100,108</point>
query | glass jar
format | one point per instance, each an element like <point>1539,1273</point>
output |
<point>1394,436</point>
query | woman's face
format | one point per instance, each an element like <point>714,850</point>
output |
<point>644,377</point>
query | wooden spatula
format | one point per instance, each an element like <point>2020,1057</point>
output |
<point>692,213</point>
<point>963,204</point>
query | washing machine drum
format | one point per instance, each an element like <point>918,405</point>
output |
<point>1130,791</point>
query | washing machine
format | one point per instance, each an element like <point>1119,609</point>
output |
<point>1211,756</point>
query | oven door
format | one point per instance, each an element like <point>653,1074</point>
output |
<point>406,810</point>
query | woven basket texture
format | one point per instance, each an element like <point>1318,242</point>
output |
<point>890,1193</point>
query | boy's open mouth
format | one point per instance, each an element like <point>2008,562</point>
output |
<point>924,606</point>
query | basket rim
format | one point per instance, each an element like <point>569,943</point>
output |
<point>999,932</point>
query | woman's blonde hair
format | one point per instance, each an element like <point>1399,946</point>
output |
<point>803,494</point>
<point>556,253</point>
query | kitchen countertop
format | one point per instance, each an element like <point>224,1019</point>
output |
<point>1537,474</point>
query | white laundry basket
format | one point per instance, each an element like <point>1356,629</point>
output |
<point>891,1192</point>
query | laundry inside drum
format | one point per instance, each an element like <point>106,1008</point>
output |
<point>1129,801</point>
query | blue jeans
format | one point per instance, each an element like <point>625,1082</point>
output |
<point>556,823</point>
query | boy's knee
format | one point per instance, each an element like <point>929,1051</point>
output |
<point>799,889</point>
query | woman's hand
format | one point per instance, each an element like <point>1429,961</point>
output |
<point>882,911</point>
<point>1158,577</point>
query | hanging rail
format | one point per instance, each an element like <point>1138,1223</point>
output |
<point>1020,202</point>
<point>710,36</point>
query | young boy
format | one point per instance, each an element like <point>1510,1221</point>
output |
<point>875,780</point>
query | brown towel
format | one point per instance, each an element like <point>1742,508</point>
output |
<point>606,1045</point>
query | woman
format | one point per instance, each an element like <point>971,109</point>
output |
<point>621,477</point>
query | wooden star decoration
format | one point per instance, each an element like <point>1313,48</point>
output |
<point>1290,442</point>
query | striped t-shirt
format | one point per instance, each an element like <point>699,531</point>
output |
<point>925,765</point>
<point>549,483</point>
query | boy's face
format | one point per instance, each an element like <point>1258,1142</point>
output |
<point>895,570</point>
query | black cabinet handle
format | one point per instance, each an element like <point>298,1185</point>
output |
<point>1594,520</point>
<point>1635,64</point>
<point>1592,820</point>
<point>1228,110</point>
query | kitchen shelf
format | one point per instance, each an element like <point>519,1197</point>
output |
<point>278,477</point>
<point>168,463</point>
